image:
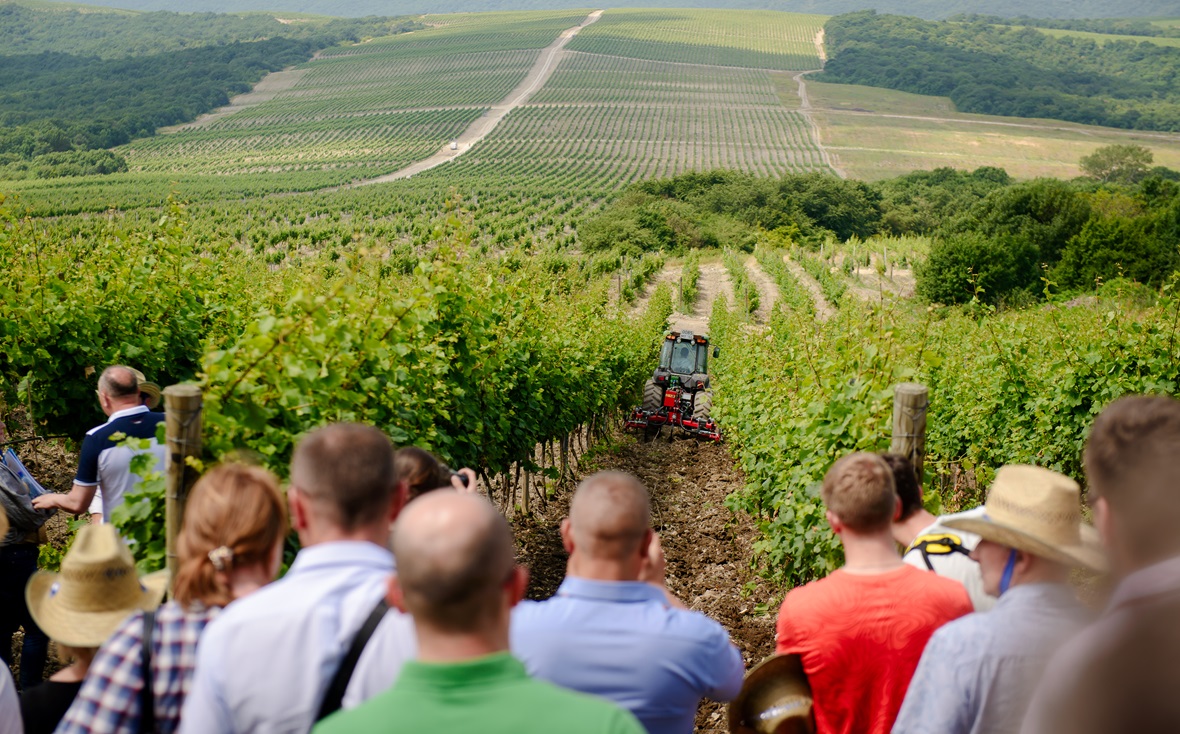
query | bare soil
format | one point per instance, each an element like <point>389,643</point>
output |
<point>823,309</point>
<point>707,546</point>
<point>767,290</point>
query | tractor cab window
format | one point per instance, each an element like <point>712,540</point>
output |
<point>666,354</point>
<point>684,359</point>
<point>702,367</point>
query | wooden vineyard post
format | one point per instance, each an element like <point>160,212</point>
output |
<point>909,424</point>
<point>182,409</point>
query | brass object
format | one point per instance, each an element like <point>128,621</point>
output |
<point>775,699</point>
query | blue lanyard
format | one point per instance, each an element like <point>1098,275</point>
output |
<point>1009,568</point>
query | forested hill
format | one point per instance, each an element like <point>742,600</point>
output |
<point>1001,70</point>
<point>920,8</point>
<point>41,28</point>
<point>73,83</point>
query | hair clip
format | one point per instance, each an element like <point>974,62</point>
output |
<point>221,557</point>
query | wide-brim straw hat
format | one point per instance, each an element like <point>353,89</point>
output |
<point>96,590</point>
<point>775,699</point>
<point>1038,511</point>
<point>151,389</point>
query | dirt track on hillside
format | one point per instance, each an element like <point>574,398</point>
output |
<point>540,72</point>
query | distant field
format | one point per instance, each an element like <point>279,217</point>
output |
<point>1101,38</point>
<point>365,110</point>
<point>755,39</point>
<point>605,120</point>
<point>878,133</point>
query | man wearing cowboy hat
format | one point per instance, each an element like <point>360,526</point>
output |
<point>977,673</point>
<point>79,608</point>
<point>102,460</point>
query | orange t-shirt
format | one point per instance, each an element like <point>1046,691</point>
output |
<point>860,637</point>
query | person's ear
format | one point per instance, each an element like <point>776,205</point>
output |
<point>1023,561</point>
<point>896,508</point>
<point>393,595</point>
<point>834,521</point>
<point>567,536</point>
<point>645,544</point>
<point>518,584</point>
<point>1104,523</point>
<point>297,504</point>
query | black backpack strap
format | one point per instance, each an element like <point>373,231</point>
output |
<point>334,697</point>
<point>940,544</point>
<point>147,696</point>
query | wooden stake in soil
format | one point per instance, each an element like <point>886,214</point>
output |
<point>182,409</point>
<point>909,424</point>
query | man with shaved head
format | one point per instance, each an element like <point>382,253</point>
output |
<point>458,579</point>
<point>102,461</point>
<point>612,629</point>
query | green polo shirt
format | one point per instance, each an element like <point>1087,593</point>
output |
<point>489,695</point>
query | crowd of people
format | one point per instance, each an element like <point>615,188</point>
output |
<point>404,608</point>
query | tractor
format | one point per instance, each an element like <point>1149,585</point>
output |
<point>678,394</point>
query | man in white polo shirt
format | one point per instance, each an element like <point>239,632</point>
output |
<point>103,461</point>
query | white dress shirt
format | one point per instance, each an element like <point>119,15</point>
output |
<point>10,719</point>
<point>264,664</point>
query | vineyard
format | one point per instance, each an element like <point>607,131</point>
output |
<point>491,310</point>
<point>754,39</point>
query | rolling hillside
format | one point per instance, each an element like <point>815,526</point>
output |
<point>920,8</point>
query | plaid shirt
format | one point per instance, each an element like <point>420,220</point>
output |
<point>109,699</point>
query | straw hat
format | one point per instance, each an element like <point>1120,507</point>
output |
<point>96,590</point>
<point>775,699</point>
<point>1038,511</point>
<point>151,389</point>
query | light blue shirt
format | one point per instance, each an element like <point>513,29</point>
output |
<point>621,640</point>
<point>977,673</point>
<point>264,664</point>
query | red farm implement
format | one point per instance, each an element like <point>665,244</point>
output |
<point>678,395</point>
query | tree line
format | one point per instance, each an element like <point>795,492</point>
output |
<point>59,111</point>
<point>1110,26</point>
<point>1001,70</point>
<point>993,238</point>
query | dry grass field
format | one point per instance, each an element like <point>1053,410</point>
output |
<point>878,133</point>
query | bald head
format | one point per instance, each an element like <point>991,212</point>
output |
<point>610,516</point>
<point>119,382</point>
<point>454,554</point>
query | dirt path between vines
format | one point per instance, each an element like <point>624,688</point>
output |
<point>714,281</point>
<point>707,546</point>
<point>823,310</point>
<point>482,127</point>
<point>767,291</point>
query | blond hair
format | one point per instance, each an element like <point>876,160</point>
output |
<point>859,490</point>
<point>235,507</point>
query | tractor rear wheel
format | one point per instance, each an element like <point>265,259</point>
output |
<point>653,396</point>
<point>702,405</point>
